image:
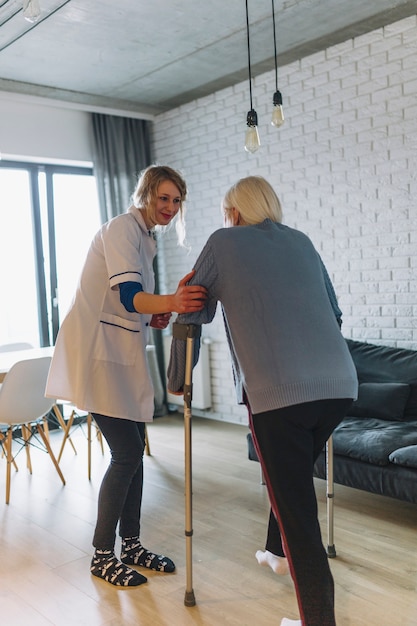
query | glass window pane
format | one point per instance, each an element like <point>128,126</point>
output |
<point>77,219</point>
<point>19,311</point>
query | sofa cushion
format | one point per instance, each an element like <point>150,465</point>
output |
<point>407,457</point>
<point>384,364</point>
<point>372,440</point>
<point>385,401</point>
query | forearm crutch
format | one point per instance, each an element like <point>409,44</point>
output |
<point>188,332</point>
<point>331,550</point>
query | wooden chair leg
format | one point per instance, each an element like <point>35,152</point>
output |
<point>89,420</point>
<point>100,439</point>
<point>9,458</point>
<point>50,452</point>
<point>3,440</point>
<point>46,426</point>
<point>26,435</point>
<point>147,446</point>
<point>66,427</point>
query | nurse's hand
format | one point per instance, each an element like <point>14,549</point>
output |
<point>160,320</point>
<point>189,298</point>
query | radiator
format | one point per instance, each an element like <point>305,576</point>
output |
<point>158,389</point>
<point>201,378</point>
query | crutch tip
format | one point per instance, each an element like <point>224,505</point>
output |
<point>189,599</point>
<point>331,552</point>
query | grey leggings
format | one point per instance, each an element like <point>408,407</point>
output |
<point>120,496</point>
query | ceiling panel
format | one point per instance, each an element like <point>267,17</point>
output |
<point>142,56</point>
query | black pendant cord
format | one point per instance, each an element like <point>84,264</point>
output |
<point>249,66</point>
<point>275,47</point>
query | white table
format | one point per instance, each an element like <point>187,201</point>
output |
<point>8,359</point>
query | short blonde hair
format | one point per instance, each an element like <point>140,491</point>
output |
<point>146,193</point>
<point>255,199</point>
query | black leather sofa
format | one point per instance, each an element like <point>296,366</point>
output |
<point>375,446</point>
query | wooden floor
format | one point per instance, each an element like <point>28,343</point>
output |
<point>46,531</point>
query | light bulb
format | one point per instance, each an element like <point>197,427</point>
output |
<point>252,141</point>
<point>277,111</point>
<point>277,116</point>
<point>31,10</point>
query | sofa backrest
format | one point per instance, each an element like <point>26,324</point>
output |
<point>378,364</point>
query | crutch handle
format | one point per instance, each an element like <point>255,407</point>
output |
<point>186,331</point>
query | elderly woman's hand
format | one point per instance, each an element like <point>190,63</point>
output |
<point>160,320</point>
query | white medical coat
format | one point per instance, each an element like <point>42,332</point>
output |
<point>99,361</point>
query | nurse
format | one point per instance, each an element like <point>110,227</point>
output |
<point>100,365</point>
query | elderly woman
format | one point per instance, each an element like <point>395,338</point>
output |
<point>291,367</point>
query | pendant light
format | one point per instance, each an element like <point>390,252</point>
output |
<point>252,141</point>
<point>277,111</point>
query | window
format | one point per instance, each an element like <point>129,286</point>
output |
<point>48,216</point>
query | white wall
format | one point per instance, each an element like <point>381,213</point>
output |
<point>37,129</point>
<point>344,165</point>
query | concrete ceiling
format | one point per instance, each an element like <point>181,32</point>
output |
<point>144,57</point>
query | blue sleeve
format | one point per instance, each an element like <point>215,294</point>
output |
<point>128,291</point>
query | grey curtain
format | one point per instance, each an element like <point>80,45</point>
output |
<point>121,149</point>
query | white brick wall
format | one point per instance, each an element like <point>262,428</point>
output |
<point>344,166</point>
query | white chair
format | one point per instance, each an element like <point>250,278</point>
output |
<point>23,407</point>
<point>59,419</point>
<point>12,347</point>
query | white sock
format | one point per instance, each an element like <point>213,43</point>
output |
<point>278,564</point>
<point>291,622</point>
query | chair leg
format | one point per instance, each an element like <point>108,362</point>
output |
<point>26,435</point>
<point>147,446</point>
<point>100,438</point>
<point>46,426</point>
<point>66,428</point>
<point>89,420</point>
<point>3,452</point>
<point>50,452</point>
<point>9,458</point>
